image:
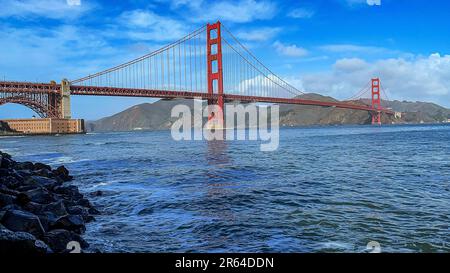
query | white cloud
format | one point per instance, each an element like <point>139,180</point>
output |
<point>258,35</point>
<point>421,78</point>
<point>349,48</point>
<point>373,2</point>
<point>290,50</point>
<point>350,65</point>
<point>73,2</point>
<point>240,11</point>
<point>46,54</point>
<point>301,13</point>
<point>365,2</point>
<point>146,25</point>
<point>54,9</point>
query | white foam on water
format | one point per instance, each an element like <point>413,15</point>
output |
<point>65,160</point>
<point>334,245</point>
<point>11,136</point>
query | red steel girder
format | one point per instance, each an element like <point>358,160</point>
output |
<point>127,92</point>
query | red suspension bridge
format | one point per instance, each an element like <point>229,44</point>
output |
<point>210,63</point>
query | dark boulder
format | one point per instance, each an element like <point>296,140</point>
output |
<point>34,204</point>
<point>58,208</point>
<point>40,195</point>
<point>40,181</point>
<point>62,173</point>
<point>69,192</point>
<point>48,220</point>
<point>96,193</point>
<point>32,207</point>
<point>70,222</point>
<point>5,161</point>
<point>16,220</point>
<point>83,202</point>
<point>22,199</point>
<point>84,212</point>
<point>44,173</point>
<point>40,166</point>
<point>10,182</point>
<point>4,172</point>
<point>24,166</point>
<point>6,199</point>
<point>20,243</point>
<point>93,211</point>
<point>48,214</point>
<point>59,239</point>
<point>5,190</point>
<point>21,174</point>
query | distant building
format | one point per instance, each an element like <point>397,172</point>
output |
<point>47,126</point>
<point>398,115</point>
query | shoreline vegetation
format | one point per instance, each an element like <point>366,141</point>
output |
<point>40,211</point>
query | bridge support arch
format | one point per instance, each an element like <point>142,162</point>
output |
<point>45,105</point>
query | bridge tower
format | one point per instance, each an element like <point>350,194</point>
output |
<point>65,100</point>
<point>376,101</point>
<point>215,71</point>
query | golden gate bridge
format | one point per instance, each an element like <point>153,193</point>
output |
<point>208,64</point>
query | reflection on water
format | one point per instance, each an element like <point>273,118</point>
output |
<point>321,191</point>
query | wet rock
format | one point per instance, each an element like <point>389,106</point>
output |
<point>6,199</point>
<point>24,166</point>
<point>40,181</point>
<point>84,202</point>
<point>96,193</point>
<point>69,191</point>
<point>93,211</point>
<point>62,173</point>
<point>16,220</point>
<point>4,172</point>
<point>25,188</point>
<point>70,222</point>
<point>32,207</point>
<point>40,166</point>
<point>22,199</point>
<point>84,212</point>
<point>5,190</point>
<point>48,220</point>
<point>58,239</point>
<point>34,204</point>
<point>44,173</point>
<point>57,208</point>
<point>20,243</point>
<point>11,182</point>
<point>7,208</point>
<point>40,195</point>
<point>5,161</point>
<point>21,174</point>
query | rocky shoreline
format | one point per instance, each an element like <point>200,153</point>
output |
<point>40,212</point>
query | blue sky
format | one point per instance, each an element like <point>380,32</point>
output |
<point>331,47</point>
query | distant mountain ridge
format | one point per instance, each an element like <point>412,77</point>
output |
<point>157,115</point>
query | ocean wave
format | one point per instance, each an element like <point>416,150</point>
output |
<point>65,160</point>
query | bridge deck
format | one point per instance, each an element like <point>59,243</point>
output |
<point>111,91</point>
<point>20,87</point>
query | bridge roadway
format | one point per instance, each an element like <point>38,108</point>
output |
<point>21,87</point>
